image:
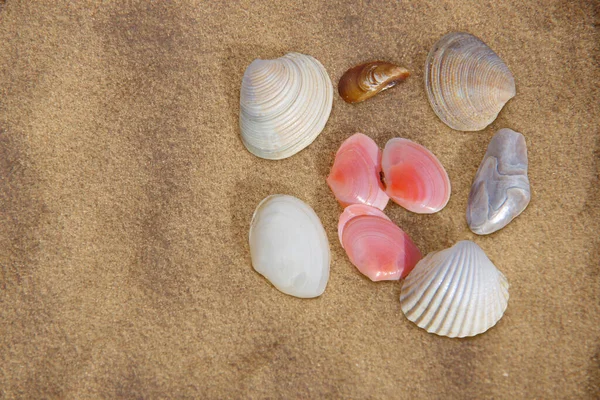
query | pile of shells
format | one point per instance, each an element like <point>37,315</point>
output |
<point>454,292</point>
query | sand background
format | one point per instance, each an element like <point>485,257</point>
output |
<point>126,197</point>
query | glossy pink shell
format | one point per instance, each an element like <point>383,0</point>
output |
<point>355,175</point>
<point>414,177</point>
<point>379,248</point>
<point>354,210</point>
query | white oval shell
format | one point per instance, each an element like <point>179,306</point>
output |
<point>456,292</point>
<point>284,105</point>
<point>466,82</point>
<point>289,246</point>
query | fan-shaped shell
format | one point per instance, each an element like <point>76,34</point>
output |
<point>288,245</point>
<point>355,175</point>
<point>466,82</point>
<point>414,177</point>
<point>284,105</point>
<point>456,292</point>
<point>500,190</point>
<point>379,248</point>
<point>354,210</point>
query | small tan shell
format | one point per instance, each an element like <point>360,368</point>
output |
<point>366,80</point>
<point>466,82</point>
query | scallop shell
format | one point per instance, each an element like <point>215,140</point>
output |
<point>284,105</point>
<point>456,292</point>
<point>378,248</point>
<point>355,175</point>
<point>466,82</point>
<point>415,179</point>
<point>366,80</point>
<point>500,190</point>
<point>289,246</point>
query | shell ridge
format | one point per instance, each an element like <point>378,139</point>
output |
<point>444,290</point>
<point>458,282</point>
<point>461,313</point>
<point>467,323</point>
<point>409,288</point>
<point>428,292</point>
<point>410,294</point>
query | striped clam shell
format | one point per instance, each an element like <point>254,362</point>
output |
<point>456,292</point>
<point>284,105</point>
<point>466,82</point>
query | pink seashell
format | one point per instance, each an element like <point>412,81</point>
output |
<point>379,248</point>
<point>354,210</point>
<point>414,177</point>
<point>355,175</point>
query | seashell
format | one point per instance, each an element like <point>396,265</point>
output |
<point>379,248</point>
<point>466,82</point>
<point>354,210</point>
<point>289,247</point>
<point>414,177</point>
<point>456,292</point>
<point>500,191</point>
<point>284,105</point>
<point>355,175</point>
<point>366,80</point>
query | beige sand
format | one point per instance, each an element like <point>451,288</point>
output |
<point>126,195</point>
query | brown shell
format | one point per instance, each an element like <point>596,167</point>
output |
<point>366,80</point>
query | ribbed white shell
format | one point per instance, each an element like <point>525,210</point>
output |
<point>466,82</point>
<point>289,246</point>
<point>284,105</point>
<point>456,292</point>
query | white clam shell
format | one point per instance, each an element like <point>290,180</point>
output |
<point>289,246</point>
<point>456,292</point>
<point>284,105</point>
<point>466,82</point>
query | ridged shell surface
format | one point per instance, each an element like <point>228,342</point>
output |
<point>466,82</point>
<point>500,190</point>
<point>356,210</point>
<point>284,105</point>
<point>456,292</point>
<point>289,246</point>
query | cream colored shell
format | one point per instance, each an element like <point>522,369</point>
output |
<point>456,292</point>
<point>284,105</point>
<point>289,246</point>
<point>466,82</point>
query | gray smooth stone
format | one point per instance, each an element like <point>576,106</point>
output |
<point>500,191</point>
